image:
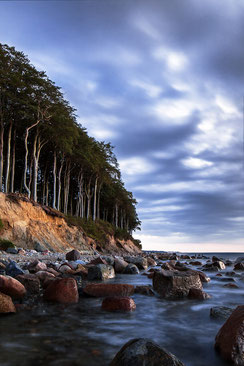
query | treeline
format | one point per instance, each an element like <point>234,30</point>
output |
<point>47,155</point>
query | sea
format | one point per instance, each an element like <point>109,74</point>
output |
<point>83,334</point>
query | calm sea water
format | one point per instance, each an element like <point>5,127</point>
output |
<point>83,334</point>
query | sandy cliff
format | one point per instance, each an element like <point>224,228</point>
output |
<point>27,223</point>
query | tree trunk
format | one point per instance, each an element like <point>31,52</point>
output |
<point>95,200</point>
<point>60,183</point>
<point>116,214</point>
<point>13,163</point>
<point>54,178</point>
<point>8,157</point>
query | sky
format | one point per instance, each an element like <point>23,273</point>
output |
<point>163,81</point>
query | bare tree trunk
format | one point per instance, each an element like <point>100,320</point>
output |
<point>8,157</point>
<point>116,214</point>
<point>44,186</point>
<point>95,200</point>
<point>26,155</point>
<point>54,178</point>
<point>89,196</point>
<point>66,187</point>
<point>47,193</point>
<point>60,183</point>
<point>13,163</point>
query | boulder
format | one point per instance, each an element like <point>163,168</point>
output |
<point>119,265</point>
<point>131,269</point>
<point>12,287</point>
<point>140,262</point>
<point>62,290</point>
<point>39,247</point>
<point>12,269</point>
<point>229,341</point>
<point>175,284</point>
<point>197,294</point>
<point>221,312</point>
<point>100,272</point>
<point>31,282</point>
<point>239,266</point>
<point>104,290</point>
<point>12,250</point>
<point>142,351</point>
<point>6,304</point>
<point>36,266</point>
<point>219,264</point>
<point>195,263</point>
<point>118,303</point>
<point>239,260</point>
<point>108,259</point>
<point>73,255</point>
<point>66,268</point>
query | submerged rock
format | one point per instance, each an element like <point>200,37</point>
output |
<point>106,289</point>
<point>6,304</point>
<point>144,352</point>
<point>144,290</point>
<point>175,284</point>
<point>239,266</point>
<point>118,303</point>
<point>229,341</point>
<point>221,312</point>
<point>100,272</point>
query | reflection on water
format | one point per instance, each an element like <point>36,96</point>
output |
<point>83,334</point>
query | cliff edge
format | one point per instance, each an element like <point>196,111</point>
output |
<point>29,225</point>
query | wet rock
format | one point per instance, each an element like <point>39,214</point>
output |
<point>12,269</point>
<point>197,294</point>
<point>203,277</point>
<point>239,266</point>
<point>104,290</point>
<point>31,282</point>
<point>231,285</point>
<point>185,256</point>
<point>168,266</point>
<point>100,272</point>
<point>228,263</point>
<point>221,312</point>
<point>66,268</point>
<point>6,304</point>
<point>73,255</point>
<point>118,303</point>
<point>142,351</point>
<point>229,341</point>
<point>195,263</point>
<point>175,284</point>
<point>211,267</point>
<point>140,262</point>
<point>12,287</point>
<point>219,264</point>
<point>215,259</point>
<point>119,265</point>
<point>62,290</point>
<point>131,269</point>
<point>144,290</point>
<point>53,271</point>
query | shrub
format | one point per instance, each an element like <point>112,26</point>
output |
<point>5,244</point>
<point>1,224</point>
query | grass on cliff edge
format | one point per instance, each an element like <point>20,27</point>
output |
<point>99,230</point>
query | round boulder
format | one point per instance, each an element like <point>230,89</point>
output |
<point>142,351</point>
<point>118,303</point>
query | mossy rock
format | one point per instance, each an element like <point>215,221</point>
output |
<point>5,244</point>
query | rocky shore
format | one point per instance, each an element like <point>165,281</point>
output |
<point>29,278</point>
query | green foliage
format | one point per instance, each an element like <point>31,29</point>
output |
<point>1,224</point>
<point>122,234</point>
<point>137,243</point>
<point>5,244</point>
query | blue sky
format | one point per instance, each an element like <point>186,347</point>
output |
<point>163,82</point>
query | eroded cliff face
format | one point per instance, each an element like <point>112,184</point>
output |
<point>27,223</point>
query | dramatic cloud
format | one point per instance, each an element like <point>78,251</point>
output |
<point>163,81</point>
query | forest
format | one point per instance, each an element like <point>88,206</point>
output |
<point>46,155</point>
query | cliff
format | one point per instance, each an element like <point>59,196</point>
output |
<point>28,225</point>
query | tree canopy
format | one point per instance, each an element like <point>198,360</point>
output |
<point>47,155</point>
